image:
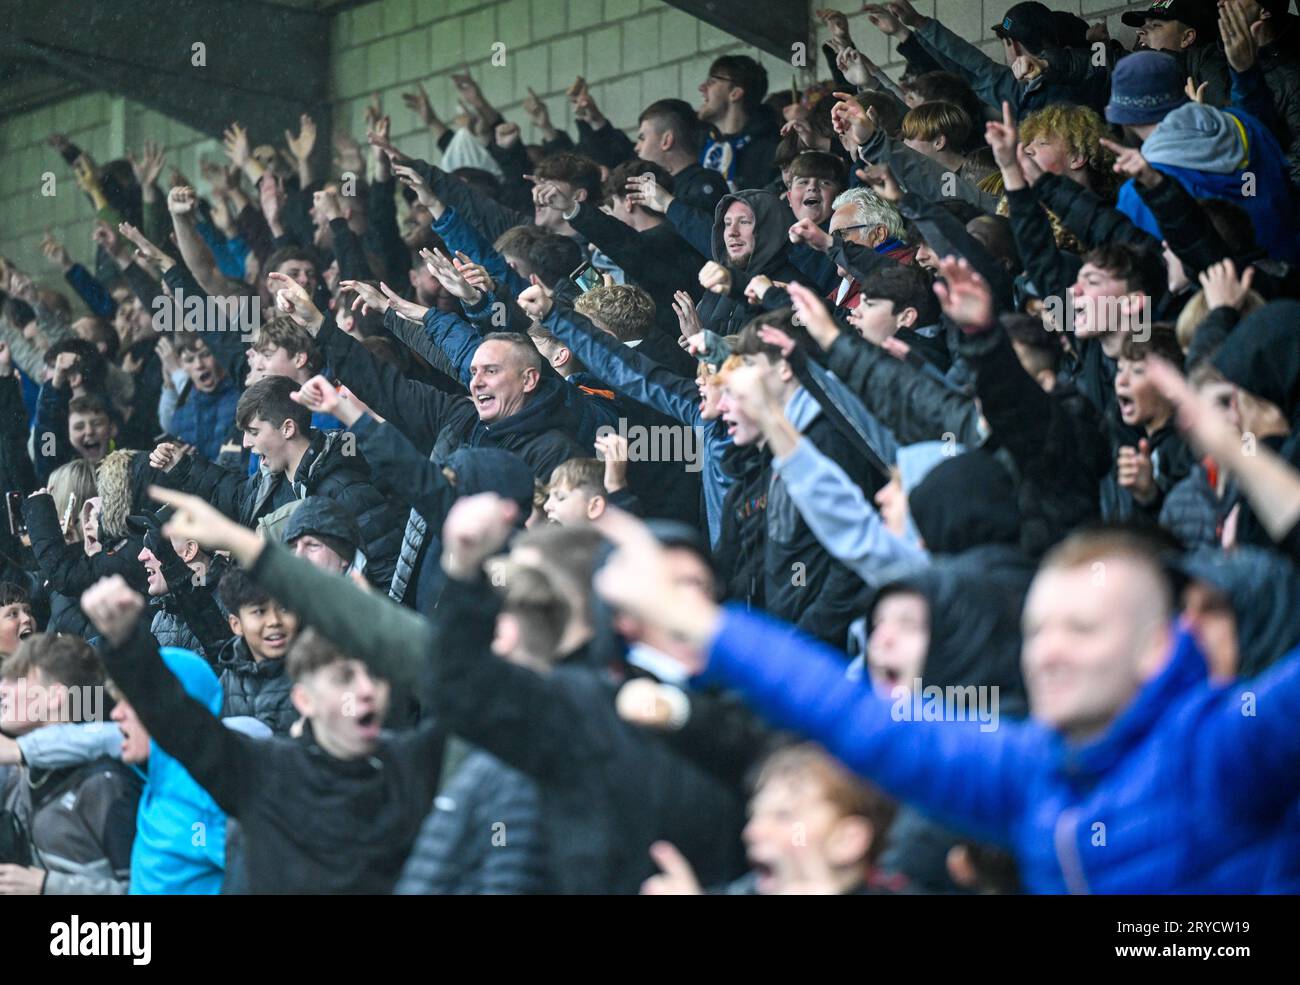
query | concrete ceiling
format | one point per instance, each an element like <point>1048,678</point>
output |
<point>265,61</point>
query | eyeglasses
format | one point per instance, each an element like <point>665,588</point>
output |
<point>721,78</point>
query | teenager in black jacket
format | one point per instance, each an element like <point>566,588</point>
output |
<point>297,461</point>
<point>334,811</point>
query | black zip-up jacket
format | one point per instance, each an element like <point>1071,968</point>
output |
<point>775,562</point>
<point>310,823</point>
<point>66,567</point>
<point>608,790</point>
<point>330,468</point>
<point>699,187</point>
<point>542,433</point>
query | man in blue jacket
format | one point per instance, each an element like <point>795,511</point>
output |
<point>1215,153</point>
<point>1135,774</point>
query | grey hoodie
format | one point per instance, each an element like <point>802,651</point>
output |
<point>1197,137</point>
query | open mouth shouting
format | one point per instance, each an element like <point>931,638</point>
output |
<point>1128,408</point>
<point>275,641</point>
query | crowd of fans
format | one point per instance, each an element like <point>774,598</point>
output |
<point>615,515</point>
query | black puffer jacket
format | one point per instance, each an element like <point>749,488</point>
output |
<point>310,823</point>
<point>608,790</point>
<point>256,688</point>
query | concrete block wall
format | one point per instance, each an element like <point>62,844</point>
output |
<point>105,127</point>
<point>630,51</point>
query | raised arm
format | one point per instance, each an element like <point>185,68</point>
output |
<point>961,772</point>
<point>418,409</point>
<point>393,641</point>
<point>520,715</point>
<point>831,503</point>
<point>626,370</point>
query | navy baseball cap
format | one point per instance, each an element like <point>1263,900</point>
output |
<point>1032,24</point>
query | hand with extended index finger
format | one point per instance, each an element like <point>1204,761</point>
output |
<point>197,520</point>
<point>292,299</point>
<point>368,296</point>
<point>675,878</point>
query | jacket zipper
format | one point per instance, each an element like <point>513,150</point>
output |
<point>1067,852</point>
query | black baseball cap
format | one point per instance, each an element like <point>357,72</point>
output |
<point>1031,23</point>
<point>1071,29</point>
<point>1201,14</point>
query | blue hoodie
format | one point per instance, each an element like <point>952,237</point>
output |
<point>1185,792</point>
<point>180,832</point>
<point>1215,150</point>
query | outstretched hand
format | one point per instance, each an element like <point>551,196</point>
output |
<point>812,313</point>
<point>292,299</point>
<point>319,395</point>
<point>638,581</point>
<point>1223,288</point>
<point>1199,416</point>
<point>963,294</point>
<point>1131,164</point>
<point>198,520</point>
